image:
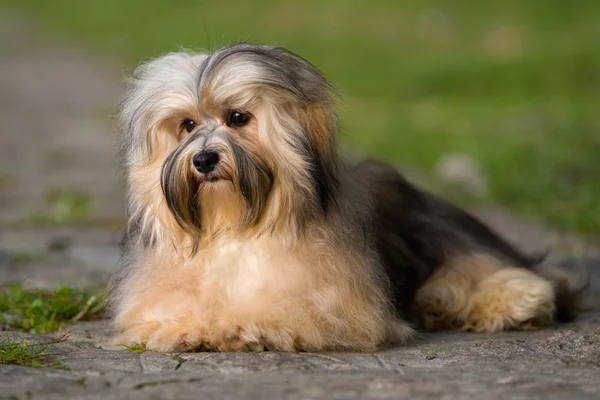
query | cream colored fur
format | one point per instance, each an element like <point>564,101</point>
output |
<point>311,297</point>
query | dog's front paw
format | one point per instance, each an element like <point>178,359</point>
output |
<point>235,338</point>
<point>176,338</point>
<point>164,338</point>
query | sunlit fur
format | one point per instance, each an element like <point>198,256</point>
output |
<point>285,245</point>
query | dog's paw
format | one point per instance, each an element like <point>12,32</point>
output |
<point>511,299</point>
<point>235,338</point>
<point>164,338</point>
<point>175,338</point>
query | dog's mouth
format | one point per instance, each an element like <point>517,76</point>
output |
<point>211,177</point>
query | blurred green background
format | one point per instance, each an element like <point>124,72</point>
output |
<point>513,85</point>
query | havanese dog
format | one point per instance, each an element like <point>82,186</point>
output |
<point>248,230</point>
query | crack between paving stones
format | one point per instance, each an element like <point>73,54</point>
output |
<point>180,360</point>
<point>330,358</point>
<point>121,379</point>
<point>143,385</point>
<point>213,367</point>
<point>379,361</point>
<point>141,364</point>
<point>397,369</point>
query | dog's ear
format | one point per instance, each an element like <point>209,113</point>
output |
<point>152,95</point>
<point>321,128</point>
<point>321,125</point>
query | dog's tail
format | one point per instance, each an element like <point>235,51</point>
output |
<point>571,281</point>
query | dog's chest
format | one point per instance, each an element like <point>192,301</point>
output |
<point>243,270</point>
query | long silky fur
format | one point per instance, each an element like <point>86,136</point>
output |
<point>331,252</point>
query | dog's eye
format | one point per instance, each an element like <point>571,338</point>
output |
<point>188,125</point>
<point>237,118</point>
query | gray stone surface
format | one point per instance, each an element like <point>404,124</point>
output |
<point>55,131</point>
<point>558,362</point>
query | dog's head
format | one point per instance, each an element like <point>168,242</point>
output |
<point>237,140</point>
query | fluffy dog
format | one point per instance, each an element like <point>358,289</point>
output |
<point>249,231</point>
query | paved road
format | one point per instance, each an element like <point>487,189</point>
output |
<point>56,137</point>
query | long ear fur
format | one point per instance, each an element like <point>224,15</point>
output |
<point>321,127</point>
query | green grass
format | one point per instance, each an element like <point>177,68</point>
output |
<point>20,352</point>
<point>39,312</point>
<point>135,348</point>
<point>514,83</point>
<point>43,312</point>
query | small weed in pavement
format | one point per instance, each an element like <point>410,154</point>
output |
<point>20,352</point>
<point>36,311</point>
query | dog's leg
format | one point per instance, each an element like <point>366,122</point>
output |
<point>511,298</point>
<point>181,335</point>
<point>480,294</point>
<point>157,306</point>
<point>165,327</point>
<point>444,300</point>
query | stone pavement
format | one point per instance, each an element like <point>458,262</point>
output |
<point>562,362</point>
<point>56,137</point>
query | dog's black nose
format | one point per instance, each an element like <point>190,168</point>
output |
<point>206,161</point>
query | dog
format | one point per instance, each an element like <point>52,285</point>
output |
<point>248,230</point>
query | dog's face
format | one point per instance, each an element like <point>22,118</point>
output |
<point>240,139</point>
